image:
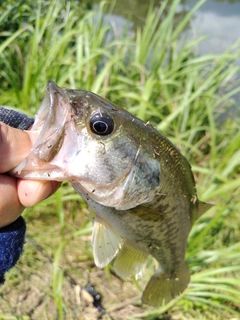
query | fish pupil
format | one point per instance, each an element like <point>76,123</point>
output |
<point>101,124</point>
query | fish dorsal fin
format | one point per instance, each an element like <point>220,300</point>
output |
<point>105,241</point>
<point>202,207</point>
<point>130,261</point>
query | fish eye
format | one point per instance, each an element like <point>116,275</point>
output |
<point>101,124</point>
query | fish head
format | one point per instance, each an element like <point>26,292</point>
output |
<point>100,148</point>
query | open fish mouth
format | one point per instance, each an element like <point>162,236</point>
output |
<point>51,120</point>
<point>47,135</point>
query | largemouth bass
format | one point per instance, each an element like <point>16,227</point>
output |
<point>140,189</point>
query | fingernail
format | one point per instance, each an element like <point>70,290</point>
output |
<point>40,192</point>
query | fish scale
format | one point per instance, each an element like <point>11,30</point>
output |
<point>139,188</point>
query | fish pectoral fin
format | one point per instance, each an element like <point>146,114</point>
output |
<point>130,261</point>
<point>91,214</point>
<point>164,287</point>
<point>105,241</point>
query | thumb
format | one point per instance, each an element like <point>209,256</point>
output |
<point>15,145</point>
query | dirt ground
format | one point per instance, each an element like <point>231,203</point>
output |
<point>32,297</point>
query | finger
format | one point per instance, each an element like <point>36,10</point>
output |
<point>10,206</point>
<point>32,192</point>
<point>14,147</point>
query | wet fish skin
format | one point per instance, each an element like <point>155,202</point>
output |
<point>138,185</point>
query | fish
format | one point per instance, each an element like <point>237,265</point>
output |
<point>139,188</point>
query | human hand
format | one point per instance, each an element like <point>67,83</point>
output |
<point>16,194</point>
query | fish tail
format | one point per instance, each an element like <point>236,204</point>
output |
<point>163,287</point>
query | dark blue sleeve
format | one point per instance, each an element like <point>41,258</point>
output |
<point>12,236</point>
<point>11,245</point>
<point>15,119</point>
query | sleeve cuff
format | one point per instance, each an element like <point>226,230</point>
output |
<point>15,119</point>
<point>11,245</point>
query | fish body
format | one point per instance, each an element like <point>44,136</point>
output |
<point>140,189</point>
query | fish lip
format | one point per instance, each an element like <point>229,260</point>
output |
<point>54,92</point>
<point>51,87</point>
<point>77,102</point>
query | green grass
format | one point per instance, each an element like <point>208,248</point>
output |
<point>162,81</point>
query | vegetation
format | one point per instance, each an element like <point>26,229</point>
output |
<point>160,79</point>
